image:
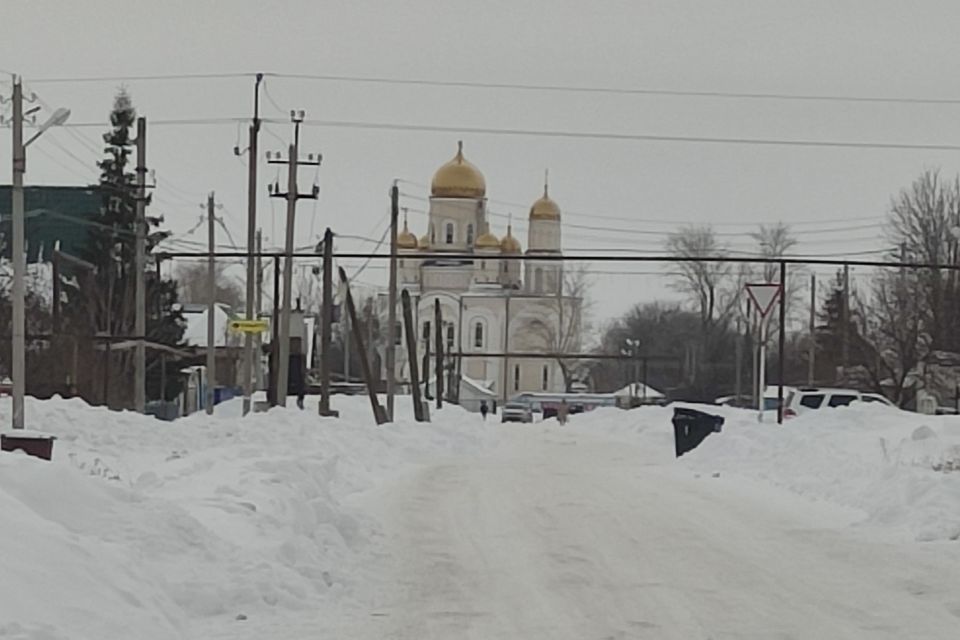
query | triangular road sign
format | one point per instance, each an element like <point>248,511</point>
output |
<point>763,296</point>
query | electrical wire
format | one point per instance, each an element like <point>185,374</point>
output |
<point>549,88</point>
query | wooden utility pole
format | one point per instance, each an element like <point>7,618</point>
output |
<point>410,331</point>
<point>378,412</point>
<point>505,363</point>
<point>426,365</point>
<point>845,312</point>
<point>211,305</point>
<point>391,342</point>
<point>738,365</point>
<point>252,260</point>
<point>275,326</point>
<point>293,162</point>
<point>438,365</point>
<point>258,307</point>
<point>782,339</point>
<point>326,329</point>
<point>812,348</point>
<point>140,295</point>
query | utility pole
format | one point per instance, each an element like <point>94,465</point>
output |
<point>811,364</point>
<point>293,162</point>
<point>19,337</point>
<point>845,312</point>
<point>19,260</point>
<point>258,306</point>
<point>252,233</point>
<point>782,339</point>
<point>738,364</point>
<point>391,350</point>
<point>211,304</point>
<point>140,303</point>
<point>438,365</point>
<point>326,330</point>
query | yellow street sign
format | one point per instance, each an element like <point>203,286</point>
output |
<point>248,326</point>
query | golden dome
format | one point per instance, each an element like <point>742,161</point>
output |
<point>424,242</point>
<point>458,179</point>
<point>545,208</point>
<point>405,239</point>
<point>487,241</point>
<point>509,244</point>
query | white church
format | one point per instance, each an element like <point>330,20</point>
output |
<point>490,305</point>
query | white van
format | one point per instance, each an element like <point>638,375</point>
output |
<point>805,399</point>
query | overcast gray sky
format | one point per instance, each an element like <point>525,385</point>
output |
<point>822,47</point>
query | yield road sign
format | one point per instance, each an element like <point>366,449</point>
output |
<point>763,296</point>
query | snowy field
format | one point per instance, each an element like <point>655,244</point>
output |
<point>842,524</point>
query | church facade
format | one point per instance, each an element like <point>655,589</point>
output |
<point>496,298</point>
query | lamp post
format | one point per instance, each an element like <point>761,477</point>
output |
<point>632,350</point>
<point>19,263</point>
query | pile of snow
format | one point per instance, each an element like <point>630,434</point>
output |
<point>901,469</point>
<point>146,529</point>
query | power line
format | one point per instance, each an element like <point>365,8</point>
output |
<point>510,86</point>
<point>602,135</point>
<point>559,134</point>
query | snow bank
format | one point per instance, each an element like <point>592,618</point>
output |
<point>146,529</point>
<point>901,469</point>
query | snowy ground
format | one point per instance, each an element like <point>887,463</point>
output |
<point>842,524</point>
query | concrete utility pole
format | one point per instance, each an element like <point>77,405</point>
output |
<point>438,355</point>
<point>252,260</point>
<point>19,259</point>
<point>211,304</point>
<point>140,303</point>
<point>19,338</point>
<point>282,332</point>
<point>391,350</point>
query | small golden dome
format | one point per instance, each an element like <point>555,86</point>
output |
<point>487,241</point>
<point>509,244</point>
<point>458,179</point>
<point>405,239</point>
<point>545,209</point>
<point>424,242</point>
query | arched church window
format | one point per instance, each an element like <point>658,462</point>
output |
<point>546,376</point>
<point>450,337</point>
<point>478,334</point>
<point>516,378</point>
<point>426,331</point>
<point>449,233</point>
<point>469,234</point>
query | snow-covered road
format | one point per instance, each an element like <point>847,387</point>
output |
<point>562,536</point>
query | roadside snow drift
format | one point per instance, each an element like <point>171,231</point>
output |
<point>141,528</point>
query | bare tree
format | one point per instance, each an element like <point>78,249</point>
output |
<point>713,287</point>
<point>564,326</point>
<point>924,223</point>
<point>192,281</point>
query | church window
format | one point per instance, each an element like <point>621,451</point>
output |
<point>546,376</point>
<point>397,334</point>
<point>483,265</point>
<point>538,280</point>
<point>469,234</point>
<point>450,337</point>
<point>516,378</point>
<point>426,331</point>
<point>449,233</point>
<point>478,334</point>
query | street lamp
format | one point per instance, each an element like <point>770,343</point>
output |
<point>632,350</point>
<point>19,263</point>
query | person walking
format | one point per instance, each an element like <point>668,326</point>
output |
<point>484,410</point>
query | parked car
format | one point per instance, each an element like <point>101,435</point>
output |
<point>516,412</point>
<point>806,399</point>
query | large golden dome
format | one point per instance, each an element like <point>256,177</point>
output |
<point>545,208</point>
<point>509,244</point>
<point>458,179</point>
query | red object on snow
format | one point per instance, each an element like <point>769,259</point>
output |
<point>36,446</point>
